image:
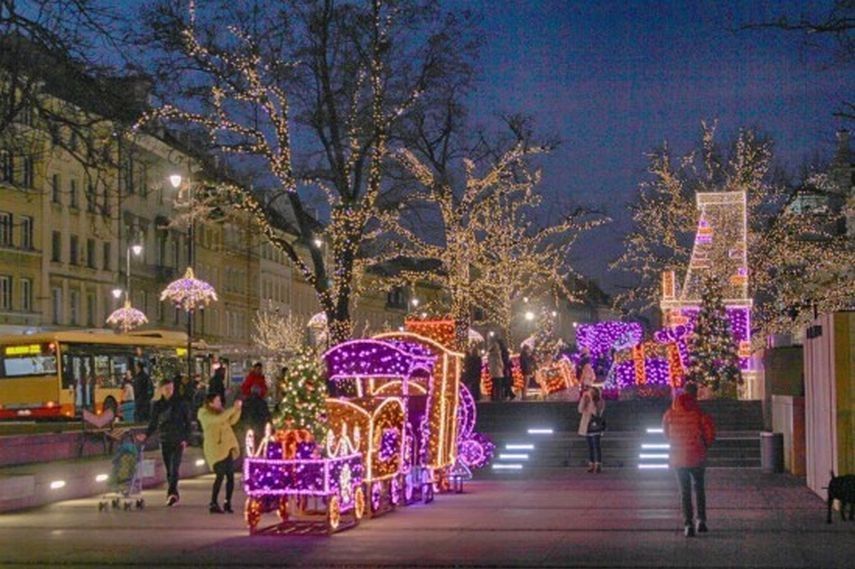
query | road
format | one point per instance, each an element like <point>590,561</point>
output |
<point>551,518</point>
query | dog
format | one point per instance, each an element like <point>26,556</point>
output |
<point>841,488</point>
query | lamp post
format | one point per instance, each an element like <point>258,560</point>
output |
<point>175,180</point>
<point>127,317</point>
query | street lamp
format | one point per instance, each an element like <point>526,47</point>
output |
<point>415,302</point>
<point>175,180</point>
<point>137,250</point>
<point>117,293</point>
<point>318,243</point>
<point>529,315</point>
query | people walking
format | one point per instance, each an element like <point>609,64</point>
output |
<point>496,367</point>
<point>143,392</point>
<point>592,426</point>
<point>171,420</point>
<point>256,413</point>
<point>220,447</point>
<point>690,432</point>
<point>472,372</point>
<point>253,379</point>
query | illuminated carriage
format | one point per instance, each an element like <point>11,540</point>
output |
<point>432,421</point>
<point>378,384</point>
<point>286,474</point>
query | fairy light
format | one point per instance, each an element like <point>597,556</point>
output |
<point>189,293</point>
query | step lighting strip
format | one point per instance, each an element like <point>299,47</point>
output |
<point>519,447</point>
<point>661,446</point>
<point>652,466</point>
<point>513,456</point>
<point>649,456</point>
<point>540,431</point>
<point>507,467</point>
<point>655,430</point>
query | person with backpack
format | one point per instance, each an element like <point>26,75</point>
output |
<point>690,432</point>
<point>591,425</point>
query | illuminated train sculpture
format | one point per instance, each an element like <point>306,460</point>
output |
<point>393,418</point>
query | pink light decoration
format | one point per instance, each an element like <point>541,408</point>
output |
<point>127,317</point>
<point>189,293</point>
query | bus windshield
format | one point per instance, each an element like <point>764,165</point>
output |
<point>28,360</point>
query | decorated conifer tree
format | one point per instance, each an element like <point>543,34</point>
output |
<point>714,359</point>
<point>304,392</point>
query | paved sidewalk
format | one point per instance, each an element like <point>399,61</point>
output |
<point>551,518</point>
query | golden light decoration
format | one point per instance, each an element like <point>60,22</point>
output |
<point>127,317</point>
<point>189,293</point>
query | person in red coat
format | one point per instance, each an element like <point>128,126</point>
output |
<point>690,432</point>
<point>255,378</point>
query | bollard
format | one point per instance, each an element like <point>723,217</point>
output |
<point>772,452</point>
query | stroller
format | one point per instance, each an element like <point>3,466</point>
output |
<point>125,478</point>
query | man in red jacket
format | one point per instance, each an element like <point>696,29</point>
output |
<point>255,378</point>
<point>690,432</point>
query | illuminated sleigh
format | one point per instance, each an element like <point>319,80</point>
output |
<point>286,474</point>
<point>432,415</point>
<point>371,381</point>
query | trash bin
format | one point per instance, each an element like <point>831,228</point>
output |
<point>772,452</point>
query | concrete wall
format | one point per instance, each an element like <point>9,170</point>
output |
<point>788,418</point>
<point>829,364</point>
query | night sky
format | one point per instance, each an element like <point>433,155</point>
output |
<point>615,79</point>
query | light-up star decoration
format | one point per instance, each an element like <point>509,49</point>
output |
<point>189,293</point>
<point>126,318</point>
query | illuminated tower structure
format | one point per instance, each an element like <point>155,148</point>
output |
<point>720,250</point>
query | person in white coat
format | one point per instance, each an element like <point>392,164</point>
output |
<point>591,407</point>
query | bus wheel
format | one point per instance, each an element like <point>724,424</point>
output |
<point>110,403</point>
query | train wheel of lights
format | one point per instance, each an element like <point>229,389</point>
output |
<point>252,513</point>
<point>376,495</point>
<point>395,491</point>
<point>408,488</point>
<point>333,513</point>
<point>358,502</point>
<point>427,493</point>
<point>283,508</point>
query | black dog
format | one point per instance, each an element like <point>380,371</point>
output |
<point>841,488</point>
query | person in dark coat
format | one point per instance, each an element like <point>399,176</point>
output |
<point>143,392</point>
<point>170,418</point>
<point>508,378</point>
<point>527,366</point>
<point>472,372</point>
<point>217,385</point>
<point>255,414</point>
<point>690,432</point>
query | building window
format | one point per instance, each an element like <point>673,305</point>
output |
<point>28,172</point>
<point>5,292</point>
<point>56,247</point>
<point>73,250</point>
<point>56,299</point>
<point>129,176</point>
<point>107,256</point>
<point>74,306</point>
<point>90,198</point>
<point>55,189</point>
<point>26,232</point>
<point>105,209</point>
<point>90,254</point>
<point>72,194</point>
<point>5,229</point>
<point>26,295</point>
<point>90,310</point>
<point>7,167</point>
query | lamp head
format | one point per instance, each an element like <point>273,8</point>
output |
<point>175,180</point>
<point>137,249</point>
<point>117,292</point>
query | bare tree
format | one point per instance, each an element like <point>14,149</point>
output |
<point>309,95</point>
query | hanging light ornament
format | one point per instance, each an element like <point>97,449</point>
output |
<point>189,293</point>
<point>127,317</point>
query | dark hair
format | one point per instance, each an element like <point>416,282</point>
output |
<point>595,394</point>
<point>209,398</point>
<point>691,388</point>
<point>257,364</point>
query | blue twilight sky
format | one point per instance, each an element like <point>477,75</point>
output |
<point>614,79</point>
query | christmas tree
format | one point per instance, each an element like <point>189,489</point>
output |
<point>304,392</point>
<point>714,360</point>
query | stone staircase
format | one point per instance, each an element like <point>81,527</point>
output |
<point>531,435</point>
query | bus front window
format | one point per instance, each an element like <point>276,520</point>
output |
<point>27,361</point>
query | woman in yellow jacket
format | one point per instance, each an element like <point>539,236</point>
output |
<point>220,446</point>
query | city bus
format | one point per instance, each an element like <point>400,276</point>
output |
<point>55,375</point>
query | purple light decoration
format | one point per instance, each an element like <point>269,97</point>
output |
<point>189,293</point>
<point>264,477</point>
<point>740,328</point>
<point>127,317</point>
<point>359,359</point>
<point>601,337</point>
<point>474,450</point>
<point>376,494</point>
<point>388,444</point>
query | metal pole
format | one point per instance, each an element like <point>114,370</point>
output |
<point>190,232</point>
<point>128,274</point>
